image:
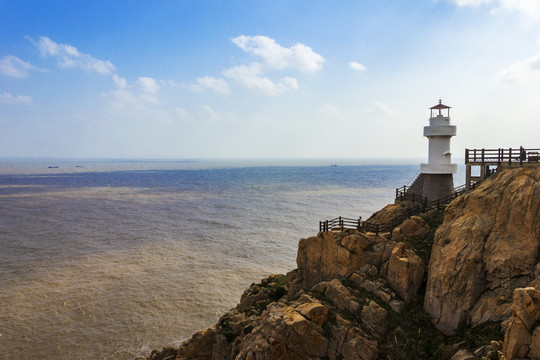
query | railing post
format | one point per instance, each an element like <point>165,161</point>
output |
<point>340,223</point>
<point>474,155</point>
<point>521,155</point>
<point>483,151</point>
<point>466,156</point>
<point>326,226</point>
<point>510,157</point>
<point>320,225</point>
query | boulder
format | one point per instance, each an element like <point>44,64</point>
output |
<point>338,294</point>
<point>516,340</point>
<point>336,256</point>
<point>475,249</point>
<point>463,355</point>
<point>410,228</point>
<point>199,346</point>
<point>405,272</point>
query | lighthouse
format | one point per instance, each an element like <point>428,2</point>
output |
<point>436,180</point>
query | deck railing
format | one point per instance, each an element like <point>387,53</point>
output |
<point>419,206</point>
<point>499,156</point>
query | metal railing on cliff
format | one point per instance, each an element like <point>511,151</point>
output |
<point>420,205</point>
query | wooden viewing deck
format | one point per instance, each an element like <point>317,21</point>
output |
<point>499,158</point>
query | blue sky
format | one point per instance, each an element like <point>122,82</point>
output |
<point>264,79</point>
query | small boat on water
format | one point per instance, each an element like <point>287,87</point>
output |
<point>53,167</point>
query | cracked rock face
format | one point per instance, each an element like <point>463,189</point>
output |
<point>486,247</point>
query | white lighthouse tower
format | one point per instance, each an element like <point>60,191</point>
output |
<point>435,180</point>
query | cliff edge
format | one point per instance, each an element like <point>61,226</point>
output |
<point>462,284</point>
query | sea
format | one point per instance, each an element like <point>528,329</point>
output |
<point>111,259</point>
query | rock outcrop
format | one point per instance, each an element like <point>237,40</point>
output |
<point>486,247</point>
<point>361,296</point>
<point>336,255</point>
<point>405,272</point>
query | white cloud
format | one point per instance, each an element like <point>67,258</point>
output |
<point>13,66</point>
<point>7,98</point>
<point>207,113</point>
<point>142,91</point>
<point>521,71</point>
<point>330,111</point>
<point>209,82</point>
<point>275,56</point>
<point>474,3</point>
<point>529,8</point>
<point>357,66</point>
<point>148,85</point>
<point>119,81</point>
<point>250,77</point>
<point>383,108</point>
<point>69,57</point>
<point>182,113</point>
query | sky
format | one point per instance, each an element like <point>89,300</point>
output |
<point>184,79</point>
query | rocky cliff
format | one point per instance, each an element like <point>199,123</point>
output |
<point>430,289</point>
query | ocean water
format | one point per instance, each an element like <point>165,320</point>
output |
<point>108,260</point>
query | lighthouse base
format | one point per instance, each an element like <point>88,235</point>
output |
<point>432,186</point>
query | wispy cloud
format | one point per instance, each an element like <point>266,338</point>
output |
<point>7,98</point>
<point>144,90</point>
<point>209,82</point>
<point>13,66</point>
<point>330,111</point>
<point>521,71</point>
<point>382,108</point>
<point>250,76</point>
<point>529,8</point>
<point>357,66</point>
<point>69,57</point>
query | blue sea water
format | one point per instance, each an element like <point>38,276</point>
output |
<point>109,259</point>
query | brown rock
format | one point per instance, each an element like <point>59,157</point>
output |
<point>314,311</point>
<point>534,350</point>
<point>391,211</point>
<point>409,226</point>
<point>405,272</point>
<point>199,346</point>
<point>374,316</point>
<point>526,306</point>
<point>397,306</point>
<point>167,353</point>
<point>490,307</point>
<point>336,256</point>
<point>475,248</point>
<point>338,294</point>
<point>463,355</point>
<point>516,340</point>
